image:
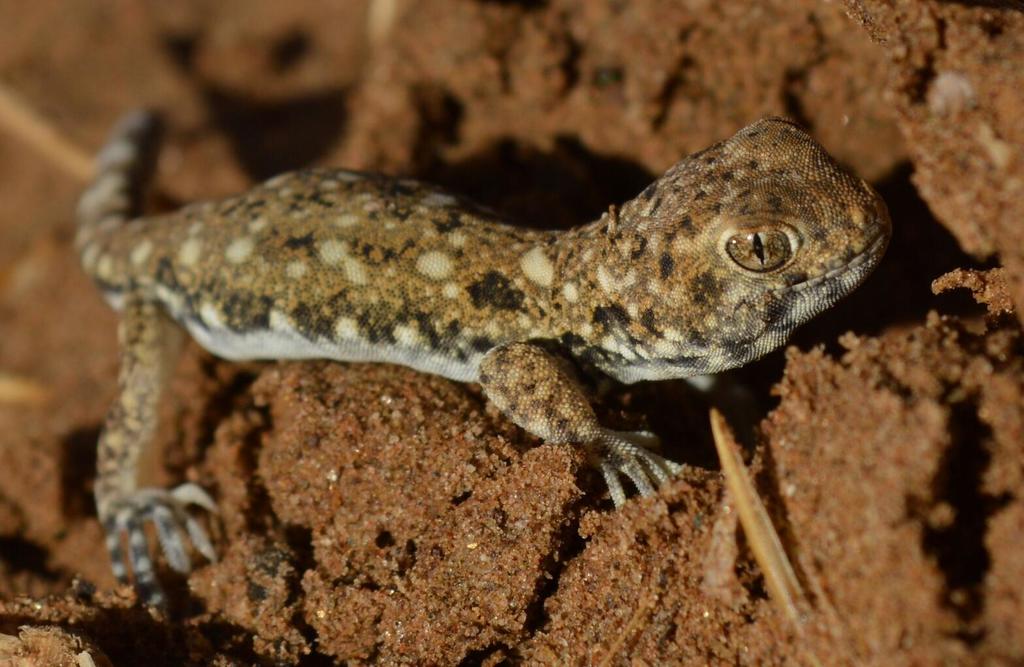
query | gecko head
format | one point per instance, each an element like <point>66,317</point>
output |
<point>755,235</point>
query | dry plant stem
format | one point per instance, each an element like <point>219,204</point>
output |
<point>381,16</point>
<point>16,390</point>
<point>764,541</point>
<point>21,121</point>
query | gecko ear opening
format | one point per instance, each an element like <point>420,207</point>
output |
<point>761,250</point>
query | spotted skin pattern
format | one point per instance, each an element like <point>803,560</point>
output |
<point>710,267</point>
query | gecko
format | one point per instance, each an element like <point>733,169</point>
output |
<point>708,268</point>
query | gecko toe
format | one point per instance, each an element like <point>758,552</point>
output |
<point>149,591</point>
<point>141,562</point>
<point>200,540</point>
<point>655,464</point>
<point>193,494</point>
<point>118,562</point>
<point>636,473</point>
<point>648,443</point>
<point>611,478</point>
<point>169,535</point>
<point>627,453</point>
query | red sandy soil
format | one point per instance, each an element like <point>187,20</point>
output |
<point>370,514</point>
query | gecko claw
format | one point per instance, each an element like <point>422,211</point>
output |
<point>168,511</point>
<point>629,453</point>
<point>193,494</point>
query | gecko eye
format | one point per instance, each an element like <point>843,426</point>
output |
<point>761,250</point>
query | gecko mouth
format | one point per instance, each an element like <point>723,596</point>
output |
<point>805,300</point>
<point>848,275</point>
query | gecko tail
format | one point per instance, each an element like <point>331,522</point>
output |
<point>124,168</point>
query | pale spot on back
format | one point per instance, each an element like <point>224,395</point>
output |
<point>406,335</point>
<point>672,334</point>
<point>334,253</point>
<point>347,220</point>
<point>188,253</point>
<point>570,292</point>
<point>434,264</point>
<point>258,225</point>
<point>450,290</point>
<point>457,239</point>
<point>331,251</point>
<point>105,268</point>
<point>612,285</point>
<point>679,245</point>
<point>296,269</point>
<point>279,321</point>
<point>537,267</point>
<point>604,279</point>
<point>140,253</point>
<point>347,176</point>
<point>239,250</point>
<point>346,328</point>
<point>354,270</point>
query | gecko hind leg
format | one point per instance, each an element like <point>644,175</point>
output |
<point>150,341</point>
<point>538,392</point>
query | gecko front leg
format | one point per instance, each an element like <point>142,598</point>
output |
<point>149,343</point>
<point>536,391</point>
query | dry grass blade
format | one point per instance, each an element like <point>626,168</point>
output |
<point>764,541</point>
<point>21,121</point>
<point>381,16</point>
<point>16,390</point>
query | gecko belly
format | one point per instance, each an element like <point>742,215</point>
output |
<point>284,342</point>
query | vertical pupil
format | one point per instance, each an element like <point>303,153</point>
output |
<point>758,247</point>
